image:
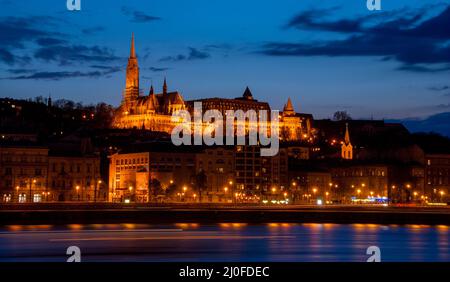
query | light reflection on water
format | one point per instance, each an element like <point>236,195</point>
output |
<point>225,242</point>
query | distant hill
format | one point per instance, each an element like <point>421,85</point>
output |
<point>439,123</point>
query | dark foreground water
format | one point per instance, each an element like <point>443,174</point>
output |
<point>225,242</point>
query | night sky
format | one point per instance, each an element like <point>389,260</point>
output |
<point>325,55</point>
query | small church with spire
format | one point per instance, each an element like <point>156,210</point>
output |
<point>347,147</point>
<point>152,111</point>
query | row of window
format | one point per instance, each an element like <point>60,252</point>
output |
<point>372,172</point>
<point>132,161</point>
<point>37,171</point>
<point>438,161</point>
<point>24,159</point>
<point>37,198</point>
<point>62,168</point>
<point>441,172</point>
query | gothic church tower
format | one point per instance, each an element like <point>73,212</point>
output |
<point>132,80</point>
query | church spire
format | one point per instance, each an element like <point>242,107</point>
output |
<point>165,86</point>
<point>132,49</point>
<point>347,135</point>
<point>132,76</point>
<point>346,147</point>
<point>151,90</point>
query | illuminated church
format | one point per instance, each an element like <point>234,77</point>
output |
<point>154,111</point>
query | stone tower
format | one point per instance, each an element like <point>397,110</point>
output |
<point>132,80</point>
<point>288,109</point>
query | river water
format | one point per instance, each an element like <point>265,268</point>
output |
<point>225,242</point>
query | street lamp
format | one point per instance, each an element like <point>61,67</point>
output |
<point>31,185</point>
<point>78,192</point>
<point>17,189</point>
<point>96,188</point>
<point>131,191</point>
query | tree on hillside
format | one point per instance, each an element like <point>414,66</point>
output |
<point>341,115</point>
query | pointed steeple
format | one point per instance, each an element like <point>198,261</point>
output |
<point>347,147</point>
<point>165,86</point>
<point>132,49</point>
<point>347,135</point>
<point>132,76</point>
<point>288,107</point>
<point>151,90</point>
<point>247,94</point>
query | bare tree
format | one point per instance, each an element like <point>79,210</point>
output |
<point>341,115</point>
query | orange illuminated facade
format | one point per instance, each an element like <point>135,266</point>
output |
<point>153,111</point>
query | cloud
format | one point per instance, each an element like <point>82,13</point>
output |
<point>20,71</point>
<point>409,38</point>
<point>138,16</point>
<point>435,123</point>
<point>95,71</point>
<point>422,68</point>
<point>310,20</point>
<point>59,75</point>
<point>7,57</point>
<point>194,54</point>
<point>46,41</point>
<point>37,35</point>
<point>158,69</point>
<point>439,88</point>
<point>16,31</point>
<point>92,30</point>
<point>223,46</point>
<point>69,54</point>
<point>10,59</point>
<point>107,69</point>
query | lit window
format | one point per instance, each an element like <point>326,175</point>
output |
<point>7,198</point>
<point>22,198</point>
<point>37,198</point>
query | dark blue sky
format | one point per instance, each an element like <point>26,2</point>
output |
<point>325,55</point>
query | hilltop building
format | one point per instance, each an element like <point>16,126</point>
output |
<point>154,111</point>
